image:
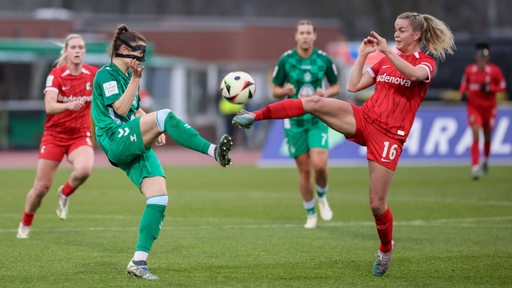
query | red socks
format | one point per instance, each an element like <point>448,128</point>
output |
<point>475,153</point>
<point>287,108</point>
<point>27,219</point>
<point>67,190</point>
<point>384,224</point>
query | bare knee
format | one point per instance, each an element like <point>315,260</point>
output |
<point>83,174</point>
<point>378,207</point>
<point>40,189</point>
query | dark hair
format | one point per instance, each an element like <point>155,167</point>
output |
<point>126,36</point>
<point>306,22</point>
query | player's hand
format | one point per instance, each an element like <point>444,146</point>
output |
<point>136,68</point>
<point>382,44</point>
<point>160,141</point>
<point>290,90</point>
<point>75,105</point>
<point>320,92</point>
<point>368,45</point>
<point>485,88</point>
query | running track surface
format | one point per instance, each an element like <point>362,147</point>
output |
<point>175,156</point>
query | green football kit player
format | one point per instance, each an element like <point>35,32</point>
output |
<point>126,134</point>
<point>300,73</point>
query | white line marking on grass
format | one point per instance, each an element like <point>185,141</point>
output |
<point>465,222</point>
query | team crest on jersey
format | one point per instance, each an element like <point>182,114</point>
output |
<point>307,77</point>
<point>88,86</point>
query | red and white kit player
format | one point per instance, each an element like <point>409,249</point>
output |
<point>67,130</point>
<point>480,83</point>
<point>382,124</point>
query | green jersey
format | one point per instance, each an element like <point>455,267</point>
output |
<point>305,74</point>
<point>109,85</point>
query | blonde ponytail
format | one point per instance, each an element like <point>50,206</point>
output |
<point>435,34</point>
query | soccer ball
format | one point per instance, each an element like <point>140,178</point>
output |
<point>238,87</point>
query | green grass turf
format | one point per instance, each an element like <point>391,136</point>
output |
<point>242,227</point>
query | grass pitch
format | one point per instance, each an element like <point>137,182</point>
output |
<point>242,227</point>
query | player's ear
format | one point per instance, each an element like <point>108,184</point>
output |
<point>417,35</point>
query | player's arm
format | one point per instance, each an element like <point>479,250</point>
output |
<point>464,84</point>
<point>332,77</point>
<point>284,91</point>
<point>359,79</point>
<point>52,106</point>
<point>498,83</point>
<point>280,88</point>
<point>332,90</point>
<point>123,105</point>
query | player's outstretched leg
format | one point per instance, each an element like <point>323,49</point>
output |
<point>244,119</point>
<point>222,150</point>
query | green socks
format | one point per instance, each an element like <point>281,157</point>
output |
<point>185,135</point>
<point>150,224</point>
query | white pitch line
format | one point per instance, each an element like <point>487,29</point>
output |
<point>464,222</point>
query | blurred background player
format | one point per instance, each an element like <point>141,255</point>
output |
<point>67,130</point>
<point>300,73</point>
<point>382,124</point>
<point>126,133</point>
<point>480,83</point>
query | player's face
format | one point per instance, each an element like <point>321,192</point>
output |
<point>305,37</point>
<point>407,41</point>
<point>127,51</point>
<point>75,51</point>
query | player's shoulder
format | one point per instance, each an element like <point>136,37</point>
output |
<point>288,53</point>
<point>493,66</point>
<point>59,70</point>
<point>105,71</point>
<point>89,69</point>
<point>321,54</point>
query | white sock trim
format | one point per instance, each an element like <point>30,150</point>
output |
<point>211,150</point>
<point>161,115</point>
<point>309,204</point>
<point>140,256</point>
<point>160,200</point>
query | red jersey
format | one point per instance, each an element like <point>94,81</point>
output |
<point>396,99</point>
<point>474,80</point>
<point>70,124</point>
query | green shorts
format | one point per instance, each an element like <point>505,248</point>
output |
<point>125,149</point>
<point>303,135</point>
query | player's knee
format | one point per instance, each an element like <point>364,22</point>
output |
<point>82,173</point>
<point>378,207</point>
<point>161,117</point>
<point>40,189</point>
